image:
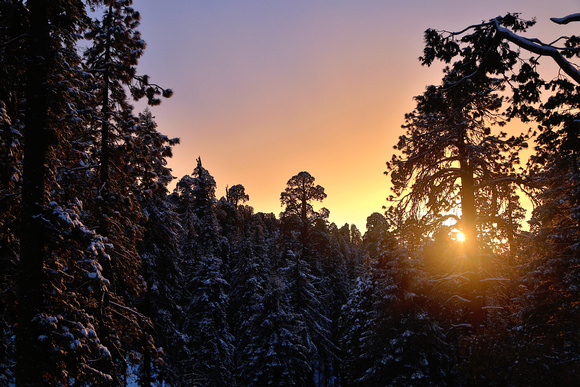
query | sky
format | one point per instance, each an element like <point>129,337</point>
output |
<point>266,89</point>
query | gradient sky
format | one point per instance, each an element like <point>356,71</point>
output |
<point>266,89</point>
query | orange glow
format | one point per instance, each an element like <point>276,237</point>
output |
<point>264,90</point>
<point>460,237</point>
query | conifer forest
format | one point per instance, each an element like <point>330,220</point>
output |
<point>114,272</point>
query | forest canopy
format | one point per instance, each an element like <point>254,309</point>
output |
<point>110,277</point>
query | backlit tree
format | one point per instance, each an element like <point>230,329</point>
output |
<point>549,312</point>
<point>451,166</point>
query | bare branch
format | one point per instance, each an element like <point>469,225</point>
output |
<point>13,40</point>
<point>141,317</point>
<point>473,26</point>
<point>506,179</point>
<point>444,172</point>
<point>504,224</point>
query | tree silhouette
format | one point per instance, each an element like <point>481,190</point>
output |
<point>452,167</point>
<point>298,197</point>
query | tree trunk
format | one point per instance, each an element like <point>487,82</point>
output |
<point>105,128</point>
<point>31,357</point>
<point>104,193</point>
<point>105,132</point>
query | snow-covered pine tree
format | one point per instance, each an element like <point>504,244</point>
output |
<point>146,161</point>
<point>73,266</point>
<point>120,144</point>
<point>12,55</point>
<point>252,268</point>
<point>330,267</point>
<point>298,259</point>
<point>235,220</point>
<point>390,338</point>
<point>206,291</point>
<point>355,316</point>
<point>550,316</point>
<point>249,277</point>
<point>274,354</point>
<point>111,58</point>
<point>60,275</point>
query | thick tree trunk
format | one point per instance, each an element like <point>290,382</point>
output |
<point>31,359</point>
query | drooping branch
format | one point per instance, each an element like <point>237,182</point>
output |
<point>457,172</point>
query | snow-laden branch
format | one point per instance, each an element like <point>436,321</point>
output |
<point>444,218</point>
<point>462,276</point>
<point>141,317</point>
<point>455,296</point>
<point>494,279</point>
<point>535,46</point>
<point>566,19</point>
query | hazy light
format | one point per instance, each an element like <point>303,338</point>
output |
<point>460,237</point>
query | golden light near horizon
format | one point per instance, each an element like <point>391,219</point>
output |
<point>264,90</point>
<point>460,236</point>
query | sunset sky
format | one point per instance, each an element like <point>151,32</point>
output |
<point>266,89</point>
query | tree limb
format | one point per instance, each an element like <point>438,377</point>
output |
<point>13,40</point>
<point>540,49</point>
<point>566,19</point>
<point>506,226</point>
<point>506,179</point>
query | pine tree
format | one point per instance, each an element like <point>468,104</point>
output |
<point>299,262</point>
<point>60,273</point>
<point>330,266</point>
<point>273,351</point>
<point>12,55</point>
<point>206,325</point>
<point>355,314</point>
<point>548,313</point>
<point>59,255</point>
<point>121,143</point>
<point>249,278</point>
<point>146,161</point>
<point>456,169</point>
<point>390,338</point>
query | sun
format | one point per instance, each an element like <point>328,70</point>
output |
<point>460,237</point>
